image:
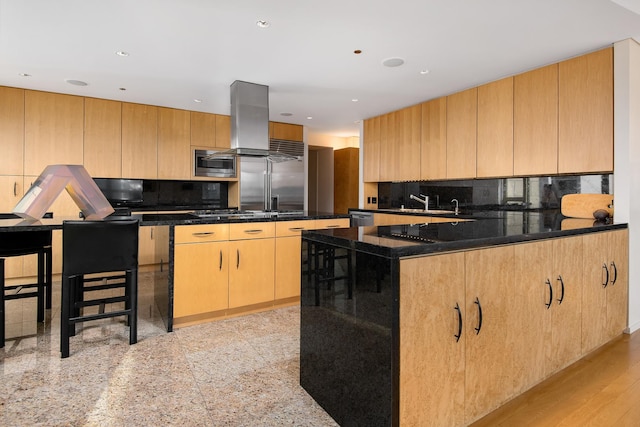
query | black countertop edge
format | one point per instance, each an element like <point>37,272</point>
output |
<point>348,239</point>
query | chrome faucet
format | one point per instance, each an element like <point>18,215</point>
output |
<point>425,201</point>
<point>456,208</point>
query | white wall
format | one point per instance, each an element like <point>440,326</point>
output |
<point>627,160</point>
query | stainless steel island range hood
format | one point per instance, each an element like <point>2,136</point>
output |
<point>250,126</point>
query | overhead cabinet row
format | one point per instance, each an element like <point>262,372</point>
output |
<point>552,120</point>
<point>111,139</point>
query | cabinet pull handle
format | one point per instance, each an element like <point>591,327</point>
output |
<point>561,289</point>
<point>151,233</point>
<point>15,188</point>
<point>477,302</point>
<point>606,280</point>
<point>237,258</point>
<point>548,304</point>
<point>220,268</point>
<point>203,233</point>
<point>254,231</point>
<point>615,273</point>
<point>459,334</point>
<point>296,228</point>
<point>333,226</point>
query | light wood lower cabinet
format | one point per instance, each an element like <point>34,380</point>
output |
<point>201,269</point>
<point>251,274</point>
<point>332,223</point>
<point>479,327</point>
<point>288,261</point>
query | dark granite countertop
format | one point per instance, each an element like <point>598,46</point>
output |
<point>169,218</point>
<point>485,229</point>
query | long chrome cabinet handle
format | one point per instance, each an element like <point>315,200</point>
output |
<point>477,329</point>
<point>296,228</point>
<point>459,334</point>
<point>254,231</point>
<point>548,304</point>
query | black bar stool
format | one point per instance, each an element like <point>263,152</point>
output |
<point>21,243</point>
<point>110,250</point>
<point>324,267</point>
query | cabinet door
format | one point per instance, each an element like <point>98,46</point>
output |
<point>251,273</point>
<point>203,129</point>
<point>146,246</point>
<point>594,295</point>
<point>491,344</point>
<point>618,288</point>
<point>287,268</point>
<point>387,151</point>
<point>565,344</point>
<point>285,131</point>
<point>433,147</point>
<point>174,144</point>
<point>495,129</point>
<point>103,138</point>
<point>53,130</point>
<point>11,191</point>
<point>200,278</point>
<point>371,150</point>
<point>12,131</point>
<point>432,357</point>
<point>223,131</point>
<point>139,141</point>
<point>585,115</point>
<point>332,223</point>
<point>535,127</point>
<point>462,110</point>
<point>407,146</point>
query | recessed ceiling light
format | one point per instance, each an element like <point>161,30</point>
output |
<point>24,75</point>
<point>424,71</point>
<point>357,51</point>
<point>286,114</point>
<point>354,100</point>
<point>76,82</point>
<point>197,100</point>
<point>263,24</point>
<point>309,117</point>
<point>393,62</point>
<point>122,88</point>
<point>122,53</point>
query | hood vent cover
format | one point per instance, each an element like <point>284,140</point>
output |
<point>250,125</point>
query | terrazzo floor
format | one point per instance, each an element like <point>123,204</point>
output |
<point>242,371</point>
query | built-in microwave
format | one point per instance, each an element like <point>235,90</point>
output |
<point>204,164</point>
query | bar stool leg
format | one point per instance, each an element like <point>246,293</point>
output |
<point>41,286</point>
<point>132,278</point>
<point>49,272</point>
<point>65,312</point>
<point>2,303</point>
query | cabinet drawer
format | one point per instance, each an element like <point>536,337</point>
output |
<point>201,233</point>
<point>332,223</point>
<point>293,228</point>
<point>252,230</point>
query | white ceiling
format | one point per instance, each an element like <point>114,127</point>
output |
<point>181,50</point>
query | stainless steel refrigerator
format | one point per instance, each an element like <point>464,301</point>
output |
<point>267,185</point>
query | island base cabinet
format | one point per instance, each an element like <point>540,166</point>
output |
<point>251,273</point>
<point>432,345</point>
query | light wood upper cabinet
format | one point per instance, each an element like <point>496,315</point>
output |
<point>433,148</point>
<point>387,141</point>
<point>174,144</point>
<point>53,130</point>
<point>462,110</point>
<point>535,111</point>
<point>285,131</point>
<point>103,138</point>
<point>407,145</point>
<point>139,141</point>
<point>585,133</point>
<point>12,131</point>
<point>371,150</point>
<point>203,129</point>
<point>495,129</point>
<point>223,131</point>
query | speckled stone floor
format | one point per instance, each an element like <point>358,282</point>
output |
<point>237,372</point>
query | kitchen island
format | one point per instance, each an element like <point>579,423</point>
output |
<point>251,257</point>
<point>440,323</point>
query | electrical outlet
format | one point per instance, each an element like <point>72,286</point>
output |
<point>374,200</point>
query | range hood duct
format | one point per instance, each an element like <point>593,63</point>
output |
<point>250,124</point>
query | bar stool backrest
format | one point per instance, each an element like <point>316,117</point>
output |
<point>99,246</point>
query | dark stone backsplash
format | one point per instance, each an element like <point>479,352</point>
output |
<point>493,194</point>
